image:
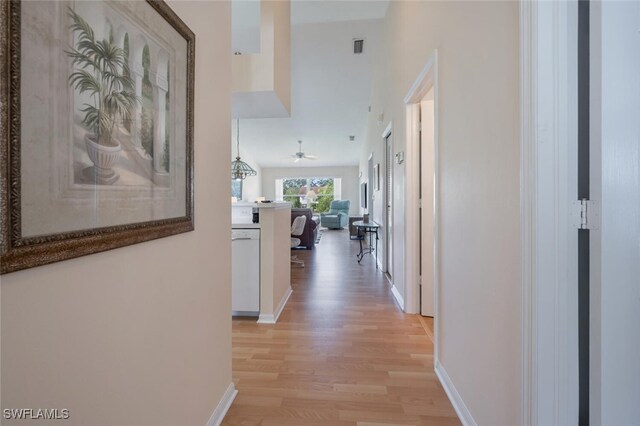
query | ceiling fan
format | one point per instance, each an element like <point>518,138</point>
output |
<point>300,155</point>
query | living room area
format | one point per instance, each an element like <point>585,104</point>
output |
<point>327,196</point>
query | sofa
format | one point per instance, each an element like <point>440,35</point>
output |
<point>338,215</point>
<point>310,233</point>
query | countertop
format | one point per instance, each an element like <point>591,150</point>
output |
<point>273,205</point>
<point>245,226</point>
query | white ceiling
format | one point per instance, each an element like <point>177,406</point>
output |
<point>245,22</point>
<point>330,87</point>
<point>246,17</point>
<point>314,11</point>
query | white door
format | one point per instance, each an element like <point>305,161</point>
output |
<point>388,203</point>
<point>615,185</point>
<point>427,209</point>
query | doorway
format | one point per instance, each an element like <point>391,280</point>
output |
<point>370,187</point>
<point>388,204</point>
<point>427,204</point>
<point>421,200</point>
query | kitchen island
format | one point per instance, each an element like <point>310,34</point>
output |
<point>275,254</point>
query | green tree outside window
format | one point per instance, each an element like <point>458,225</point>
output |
<point>294,191</point>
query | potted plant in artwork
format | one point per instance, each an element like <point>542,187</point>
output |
<point>101,71</point>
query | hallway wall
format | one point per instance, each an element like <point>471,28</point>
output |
<point>478,124</point>
<point>139,335</point>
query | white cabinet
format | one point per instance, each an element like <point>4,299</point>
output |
<point>245,272</point>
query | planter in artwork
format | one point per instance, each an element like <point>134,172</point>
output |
<point>102,75</point>
<point>104,157</point>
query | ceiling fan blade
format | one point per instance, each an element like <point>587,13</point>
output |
<point>296,160</point>
<point>310,157</point>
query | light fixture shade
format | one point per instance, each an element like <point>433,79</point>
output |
<point>239,169</point>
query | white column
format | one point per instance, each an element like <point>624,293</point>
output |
<point>161,87</point>
<point>136,130</point>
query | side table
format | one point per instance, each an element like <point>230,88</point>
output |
<point>370,228</point>
<point>354,233</point>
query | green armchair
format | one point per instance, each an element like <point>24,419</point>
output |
<point>338,215</point>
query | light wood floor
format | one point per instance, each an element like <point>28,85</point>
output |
<point>342,352</point>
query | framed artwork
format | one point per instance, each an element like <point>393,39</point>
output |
<point>96,123</point>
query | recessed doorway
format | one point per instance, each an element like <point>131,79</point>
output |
<point>427,204</point>
<point>421,208</point>
<point>388,204</point>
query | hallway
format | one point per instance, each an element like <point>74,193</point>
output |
<point>342,352</point>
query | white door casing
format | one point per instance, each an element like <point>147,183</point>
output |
<point>370,188</point>
<point>427,80</point>
<point>548,164</point>
<point>387,137</point>
<point>427,197</point>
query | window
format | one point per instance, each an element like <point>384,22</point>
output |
<point>315,193</point>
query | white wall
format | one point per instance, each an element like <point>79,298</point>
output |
<point>478,127</point>
<point>262,81</point>
<point>348,174</point>
<point>245,26</point>
<point>138,335</point>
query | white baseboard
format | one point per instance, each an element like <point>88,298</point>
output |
<point>266,319</point>
<point>282,303</point>
<point>456,400</point>
<point>398,297</point>
<point>223,406</point>
<point>272,319</point>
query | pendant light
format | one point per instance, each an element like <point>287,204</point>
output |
<point>239,169</point>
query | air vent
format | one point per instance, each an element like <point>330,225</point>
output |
<point>358,45</point>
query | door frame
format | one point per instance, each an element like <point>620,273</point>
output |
<point>370,197</point>
<point>548,195</point>
<point>426,80</point>
<point>384,261</point>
